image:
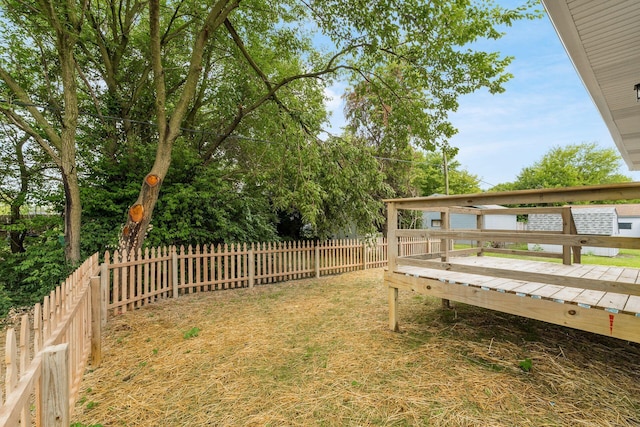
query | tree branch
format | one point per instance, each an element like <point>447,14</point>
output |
<point>25,127</point>
<point>51,133</point>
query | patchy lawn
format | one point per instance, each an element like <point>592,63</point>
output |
<point>318,352</point>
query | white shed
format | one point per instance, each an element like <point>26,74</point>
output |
<point>467,221</point>
<point>601,221</point>
<point>628,220</point>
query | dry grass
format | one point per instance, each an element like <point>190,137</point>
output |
<point>318,352</point>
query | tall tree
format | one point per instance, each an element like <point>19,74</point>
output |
<point>571,165</point>
<point>431,177</point>
<point>207,75</point>
<point>51,28</point>
<point>15,178</point>
<point>425,38</point>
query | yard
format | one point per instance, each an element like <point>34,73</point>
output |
<point>319,352</point>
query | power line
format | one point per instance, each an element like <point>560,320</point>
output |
<point>419,163</point>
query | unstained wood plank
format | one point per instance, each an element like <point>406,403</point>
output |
<point>612,274</point>
<point>589,297</point>
<point>613,300</point>
<point>510,285</point>
<point>548,291</point>
<point>633,304</point>
<point>628,275</point>
<point>568,294</point>
<point>596,273</point>
<point>528,288</point>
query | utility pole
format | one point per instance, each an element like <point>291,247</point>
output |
<point>445,164</point>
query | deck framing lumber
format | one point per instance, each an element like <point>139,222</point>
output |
<point>532,276</point>
<point>618,325</point>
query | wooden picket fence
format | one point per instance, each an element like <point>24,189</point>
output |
<point>168,272</point>
<point>46,357</point>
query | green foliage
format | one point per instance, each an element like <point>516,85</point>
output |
<point>191,333</point>
<point>333,184</point>
<point>209,204</point>
<point>526,365</point>
<point>430,179</point>
<point>569,166</point>
<point>248,150</point>
<point>28,276</point>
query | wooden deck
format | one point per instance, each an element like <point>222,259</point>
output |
<point>605,312</point>
<point>599,299</point>
<point>563,284</point>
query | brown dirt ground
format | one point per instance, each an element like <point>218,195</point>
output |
<point>318,352</point>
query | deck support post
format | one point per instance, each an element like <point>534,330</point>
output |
<point>392,239</point>
<point>393,309</point>
<point>577,250</point>
<point>445,245</point>
<point>566,229</point>
<point>480,227</point>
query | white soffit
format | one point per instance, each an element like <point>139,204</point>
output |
<point>602,38</point>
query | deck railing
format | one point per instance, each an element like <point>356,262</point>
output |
<point>541,202</point>
<point>48,353</point>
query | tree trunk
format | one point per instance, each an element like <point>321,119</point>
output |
<point>16,237</point>
<point>72,217</point>
<point>139,215</point>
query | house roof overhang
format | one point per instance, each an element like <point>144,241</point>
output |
<point>602,39</point>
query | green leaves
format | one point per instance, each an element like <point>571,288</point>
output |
<point>572,165</point>
<point>430,177</point>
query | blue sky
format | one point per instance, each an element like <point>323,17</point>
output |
<point>544,105</point>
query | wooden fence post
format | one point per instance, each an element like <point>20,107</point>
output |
<point>364,255</point>
<point>317,263</point>
<point>55,386</point>
<point>96,321</point>
<point>174,271</point>
<point>252,267</point>
<point>104,291</point>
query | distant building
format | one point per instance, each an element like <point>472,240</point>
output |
<point>600,220</point>
<point>432,220</point>
<point>628,220</point>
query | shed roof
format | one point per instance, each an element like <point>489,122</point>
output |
<point>588,220</point>
<point>623,210</point>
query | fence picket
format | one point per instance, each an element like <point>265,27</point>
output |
<point>205,268</point>
<point>143,279</point>
<point>11,358</point>
<point>138,279</point>
<point>163,273</point>
<point>146,276</point>
<point>131,273</point>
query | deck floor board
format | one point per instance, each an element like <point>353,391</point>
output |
<point>565,294</point>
